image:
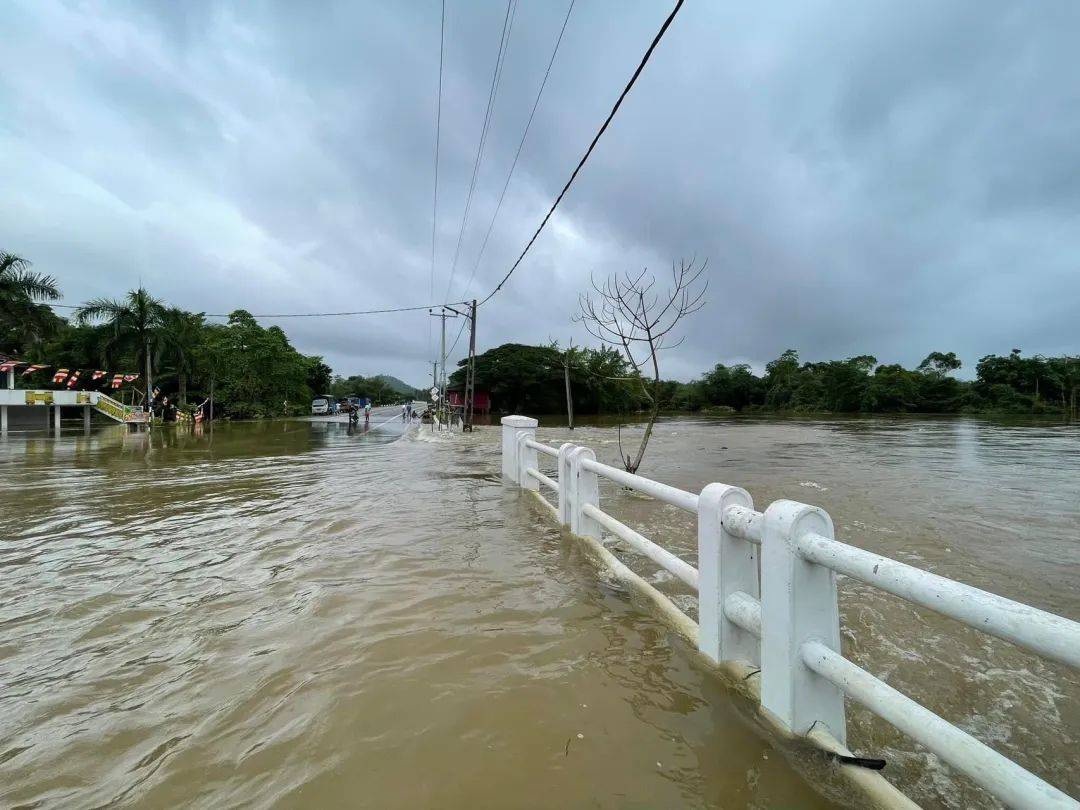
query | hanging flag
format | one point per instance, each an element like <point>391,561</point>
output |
<point>73,379</point>
<point>60,376</point>
<point>117,380</point>
<point>9,365</point>
<point>97,375</point>
<point>32,369</point>
<point>131,377</point>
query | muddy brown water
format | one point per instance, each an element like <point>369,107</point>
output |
<point>292,614</point>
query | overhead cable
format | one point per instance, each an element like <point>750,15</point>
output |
<point>504,40</point>
<point>524,134</point>
<point>585,157</point>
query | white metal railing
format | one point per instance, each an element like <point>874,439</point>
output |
<point>766,587</point>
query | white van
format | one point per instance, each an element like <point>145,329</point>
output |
<point>320,406</point>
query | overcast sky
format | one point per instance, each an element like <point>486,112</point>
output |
<point>883,178</point>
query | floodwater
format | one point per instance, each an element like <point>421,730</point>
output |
<point>293,614</point>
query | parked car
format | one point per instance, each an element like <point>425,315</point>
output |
<point>320,406</point>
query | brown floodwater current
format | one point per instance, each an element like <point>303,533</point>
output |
<point>292,614</point>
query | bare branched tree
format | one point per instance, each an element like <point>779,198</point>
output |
<point>627,312</point>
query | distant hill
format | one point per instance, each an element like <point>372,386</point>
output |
<point>398,385</point>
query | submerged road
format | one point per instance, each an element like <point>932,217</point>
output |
<point>384,419</point>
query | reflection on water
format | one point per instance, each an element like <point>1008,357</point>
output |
<point>298,614</point>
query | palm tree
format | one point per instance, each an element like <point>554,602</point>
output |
<point>23,320</point>
<point>181,334</point>
<point>136,321</point>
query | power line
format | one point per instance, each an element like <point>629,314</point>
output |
<point>438,130</point>
<point>524,134</point>
<point>454,344</point>
<point>504,40</point>
<point>585,157</point>
<point>309,314</point>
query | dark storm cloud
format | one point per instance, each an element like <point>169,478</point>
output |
<point>883,178</point>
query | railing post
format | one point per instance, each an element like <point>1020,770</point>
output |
<point>798,604</point>
<point>726,564</point>
<point>586,489</point>
<point>527,458</point>
<point>511,426</point>
<point>565,482</point>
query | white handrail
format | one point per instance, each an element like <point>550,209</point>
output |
<point>744,523</point>
<point>1044,633</point>
<point>661,556</point>
<point>543,479</point>
<point>662,492</point>
<point>1003,777</point>
<point>745,611</point>
<point>793,629</point>
<point>542,448</point>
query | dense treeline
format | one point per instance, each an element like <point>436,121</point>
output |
<point>254,371</point>
<point>530,379</point>
<point>1009,384</point>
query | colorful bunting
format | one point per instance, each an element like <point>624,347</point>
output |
<point>60,376</point>
<point>32,368</point>
<point>131,377</point>
<point>9,365</point>
<point>117,380</point>
<point>97,375</point>
<point>73,379</point>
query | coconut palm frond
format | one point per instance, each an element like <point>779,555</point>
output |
<point>35,286</point>
<point>100,309</point>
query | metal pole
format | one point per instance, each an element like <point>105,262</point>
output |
<point>442,372</point>
<point>566,377</point>
<point>149,382</point>
<point>470,373</point>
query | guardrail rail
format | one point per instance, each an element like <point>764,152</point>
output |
<point>766,588</point>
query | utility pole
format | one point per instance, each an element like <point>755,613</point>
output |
<point>470,372</point>
<point>441,384</point>
<point>566,376</point>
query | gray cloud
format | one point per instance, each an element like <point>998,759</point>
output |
<point>879,178</point>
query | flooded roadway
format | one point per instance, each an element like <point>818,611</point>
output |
<point>294,614</point>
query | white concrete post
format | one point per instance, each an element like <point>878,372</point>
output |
<point>511,425</point>
<point>726,564</point>
<point>798,604</point>
<point>86,417</point>
<point>11,379</point>
<point>56,417</point>
<point>565,482</point>
<point>527,458</point>
<point>586,490</point>
<point>3,420</point>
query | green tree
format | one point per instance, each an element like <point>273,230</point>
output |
<point>256,370</point>
<point>319,375</point>
<point>891,388</point>
<point>181,338</point>
<point>24,321</point>
<point>135,322</point>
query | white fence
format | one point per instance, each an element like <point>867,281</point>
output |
<point>766,586</point>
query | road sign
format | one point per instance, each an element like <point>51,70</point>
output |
<point>434,392</point>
